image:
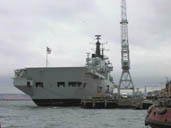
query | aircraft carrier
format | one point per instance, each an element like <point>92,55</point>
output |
<point>66,86</point>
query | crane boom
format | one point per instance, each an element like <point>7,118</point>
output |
<point>125,80</point>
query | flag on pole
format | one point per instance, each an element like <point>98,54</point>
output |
<point>48,50</point>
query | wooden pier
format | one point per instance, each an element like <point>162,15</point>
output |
<point>134,103</point>
<point>106,103</point>
<point>99,102</point>
<point>147,103</point>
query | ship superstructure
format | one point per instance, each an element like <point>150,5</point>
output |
<point>66,86</point>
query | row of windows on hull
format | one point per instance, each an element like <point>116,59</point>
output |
<point>60,84</point>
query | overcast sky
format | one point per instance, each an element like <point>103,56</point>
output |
<point>68,28</point>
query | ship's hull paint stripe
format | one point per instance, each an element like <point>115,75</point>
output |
<point>57,102</point>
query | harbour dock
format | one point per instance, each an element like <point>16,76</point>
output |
<point>111,103</point>
<point>99,102</point>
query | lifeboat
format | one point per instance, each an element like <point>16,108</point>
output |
<point>159,116</point>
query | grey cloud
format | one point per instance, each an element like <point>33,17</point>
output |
<point>151,25</point>
<point>52,9</point>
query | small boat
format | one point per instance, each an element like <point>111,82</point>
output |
<point>159,115</point>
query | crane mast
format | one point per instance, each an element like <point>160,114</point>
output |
<point>125,82</point>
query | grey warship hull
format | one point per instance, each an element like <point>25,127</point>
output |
<point>59,86</point>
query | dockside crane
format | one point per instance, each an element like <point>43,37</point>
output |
<point>125,82</point>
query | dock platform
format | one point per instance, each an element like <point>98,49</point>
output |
<point>147,103</point>
<point>99,102</point>
<point>133,103</point>
<point>111,103</point>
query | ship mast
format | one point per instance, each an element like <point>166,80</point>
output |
<point>125,82</point>
<point>98,54</point>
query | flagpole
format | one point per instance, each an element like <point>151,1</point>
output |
<point>46,58</point>
<point>48,51</point>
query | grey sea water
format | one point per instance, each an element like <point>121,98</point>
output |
<point>25,114</point>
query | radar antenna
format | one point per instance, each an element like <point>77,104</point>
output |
<point>103,49</point>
